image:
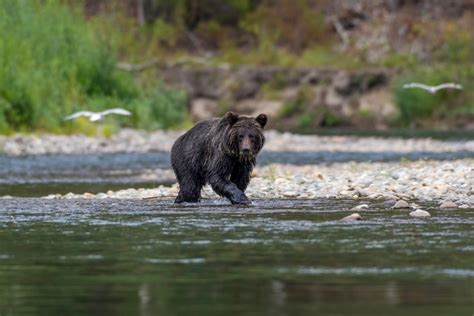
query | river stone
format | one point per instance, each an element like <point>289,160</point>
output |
<point>389,203</point>
<point>52,196</point>
<point>364,192</point>
<point>401,204</point>
<point>414,206</point>
<point>374,196</point>
<point>360,207</point>
<point>420,213</point>
<point>448,204</point>
<point>290,194</point>
<point>391,197</point>
<point>463,206</point>
<point>352,217</point>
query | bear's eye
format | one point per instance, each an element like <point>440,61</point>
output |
<point>241,137</point>
<point>251,136</point>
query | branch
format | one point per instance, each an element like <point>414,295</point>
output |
<point>342,33</point>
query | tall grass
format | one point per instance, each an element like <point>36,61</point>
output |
<point>54,62</point>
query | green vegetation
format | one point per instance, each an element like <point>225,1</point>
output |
<point>58,57</point>
<point>53,63</point>
<point>454,64</point>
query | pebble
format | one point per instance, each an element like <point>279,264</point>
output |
<point>352,217</point>
<point>448,204</point>
<point>401,204</point>
<point>360,207</point>
<point>463,206</point>
<point>420,213</point>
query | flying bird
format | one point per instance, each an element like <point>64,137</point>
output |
<point>97,116</point>
<point>432,89</point>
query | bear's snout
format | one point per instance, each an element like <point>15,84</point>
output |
<point>246,146</point>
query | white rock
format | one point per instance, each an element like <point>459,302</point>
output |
<point>420,213</point>
<point>391,197</point>
<point>352,217</point>
<point>360,207</point>
<point>464,206</point>
<point>290,194</point>
<point>401,204</point>
<point>414,206</point>
<point>448,204</point>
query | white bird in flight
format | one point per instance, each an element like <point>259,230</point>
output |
<point>96,116</point>
<point>432,89</point>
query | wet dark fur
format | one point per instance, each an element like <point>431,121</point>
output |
<point>220,152</point>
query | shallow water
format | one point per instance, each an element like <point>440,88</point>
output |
<point>283,257</point>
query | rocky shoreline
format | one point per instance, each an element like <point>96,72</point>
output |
<point>430,181</point>
<point>427,181</point>
<point>130,140</point>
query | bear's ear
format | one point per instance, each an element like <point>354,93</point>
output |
<point>262,120</point>
<point>231,118</point>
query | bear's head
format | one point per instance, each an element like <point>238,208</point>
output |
<point>245,135</point>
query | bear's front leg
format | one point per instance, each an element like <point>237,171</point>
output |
<point>241,176</point>
<point>228,189</point>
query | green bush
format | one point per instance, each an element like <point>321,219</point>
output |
<point>53,62</point>
<point>415,105</point>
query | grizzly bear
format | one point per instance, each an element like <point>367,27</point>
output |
<point>220,152</point>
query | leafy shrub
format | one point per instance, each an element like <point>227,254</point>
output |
<point>53,62</point>
<point>416,104</point>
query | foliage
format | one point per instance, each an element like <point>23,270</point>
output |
<point>288,24</point>
<point>300,104</point>
<point>453,64</point>
<point>56,59</point>
<point>417,104</point>
<point>53,62</point>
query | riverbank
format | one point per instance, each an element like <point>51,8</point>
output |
<point>426,181</point>
<point>290,166</point>
<point>133,141</point>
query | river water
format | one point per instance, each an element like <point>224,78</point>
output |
<point>280,257</point>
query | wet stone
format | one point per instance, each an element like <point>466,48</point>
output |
<point>448,204</point>
<point>360,207</point>
<point>352,217</point>
<point>420,213</point>
<point>389,203</point>
<point>401,204</point>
